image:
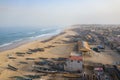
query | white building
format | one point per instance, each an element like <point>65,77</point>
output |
<point>74,63</point>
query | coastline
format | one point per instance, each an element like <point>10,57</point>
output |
<point>26,41</point>
<point>53,46</point>
<point>56,46</point>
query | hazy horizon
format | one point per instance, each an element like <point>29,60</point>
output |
<point>55,13</point>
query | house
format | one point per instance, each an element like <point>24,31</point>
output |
<point>98,70</point>
<point>74,64</point>
<point>84,47</point>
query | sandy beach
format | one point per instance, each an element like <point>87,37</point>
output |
<point>59,49</point>
<point>54,47</point>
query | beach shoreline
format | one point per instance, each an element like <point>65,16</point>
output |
<point>23,42</point>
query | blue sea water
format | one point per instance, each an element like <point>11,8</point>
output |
<point>10,35</point>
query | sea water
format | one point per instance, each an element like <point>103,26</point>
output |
<point>12,35</point>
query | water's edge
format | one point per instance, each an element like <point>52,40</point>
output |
<point>26,41</point>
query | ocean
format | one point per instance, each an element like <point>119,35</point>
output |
<point>18,35</point>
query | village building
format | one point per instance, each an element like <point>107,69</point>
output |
<point>84,47</point>
<point>98,70</point>
<point>74,64</point>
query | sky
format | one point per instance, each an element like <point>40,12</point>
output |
<point>58,12</point>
